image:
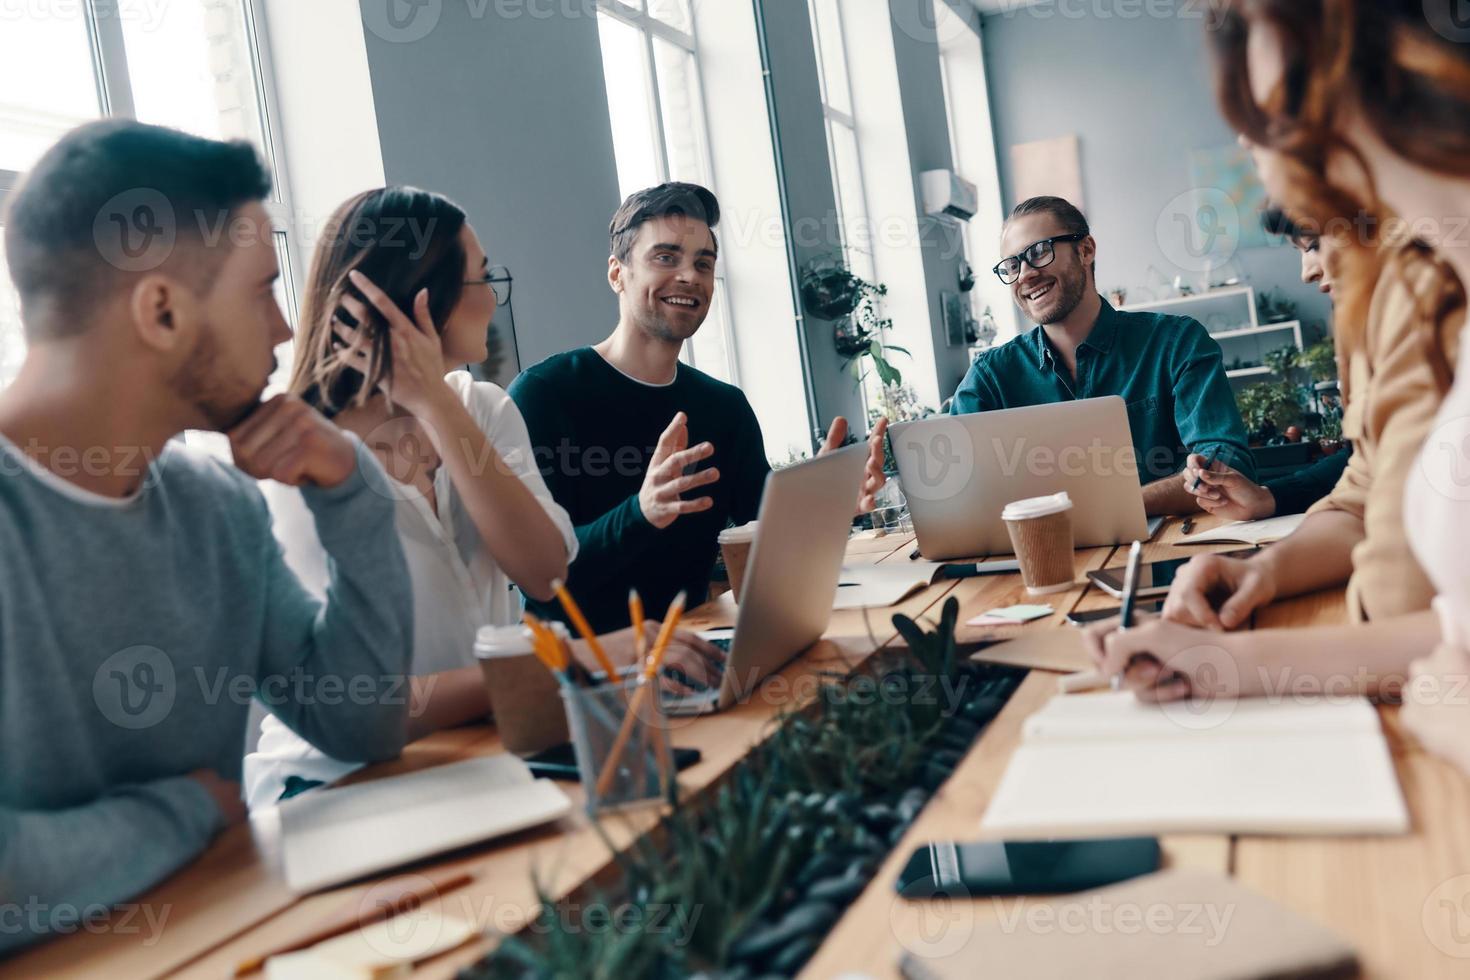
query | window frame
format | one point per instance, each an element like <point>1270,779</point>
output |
<point>115,100</point>
<point>652,28</point>
<point>848,121</point>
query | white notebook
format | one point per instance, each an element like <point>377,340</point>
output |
<point>335,835</point>
<point>883,585</point>
<point>1258,533</point>
<point>1106,764</point>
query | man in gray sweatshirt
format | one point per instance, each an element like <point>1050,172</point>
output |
<point>143,599</point>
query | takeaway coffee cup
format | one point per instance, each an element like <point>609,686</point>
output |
<point>1041,534</point>
<point>735,544</point>
<point>523,693</point>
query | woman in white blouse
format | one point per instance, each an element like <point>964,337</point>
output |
<point>1356,109</point>
<point>398,295</point>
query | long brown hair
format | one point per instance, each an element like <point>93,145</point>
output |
<point>1398,63</point>
<point>404,240</point>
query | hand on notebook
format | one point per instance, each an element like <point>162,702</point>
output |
<point>695,657</point>
<point>873,475</point>
<point>661,498</point>
<point>225,793</point>
<point>1163,661</point>
<point>1226,492</point>
<point>1220,593</point>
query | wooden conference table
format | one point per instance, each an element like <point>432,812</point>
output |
<point>1404,902</point>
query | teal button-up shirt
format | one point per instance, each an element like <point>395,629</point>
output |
<point>1167,369</point>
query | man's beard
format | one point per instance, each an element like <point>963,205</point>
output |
<point>659,328</point>
<point>1069,293</point>
<point>221,404</point>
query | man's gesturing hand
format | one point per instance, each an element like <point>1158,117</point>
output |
<point>873,476</point>
<point>664,485</point>
<point>287,440</point>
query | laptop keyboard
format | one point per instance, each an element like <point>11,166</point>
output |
<point>674,673</point>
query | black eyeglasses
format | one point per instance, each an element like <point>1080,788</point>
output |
<point>498,278</point>
<point>1037,255</point>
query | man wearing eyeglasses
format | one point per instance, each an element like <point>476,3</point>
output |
<point>1167,369</point>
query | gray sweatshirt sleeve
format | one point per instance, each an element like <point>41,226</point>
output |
<point>338,674</point>
<point>57,866</point>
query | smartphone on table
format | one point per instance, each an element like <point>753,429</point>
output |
<point>560,762</point>
<point>1153,607</point>
<point>1154,578</point>
<point>1045,867</point>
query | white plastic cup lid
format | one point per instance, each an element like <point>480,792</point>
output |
<point>743,534</point>
<point>1034,507</point>
<point>509,641</point>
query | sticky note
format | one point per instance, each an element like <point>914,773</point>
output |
<point>1011,615</point>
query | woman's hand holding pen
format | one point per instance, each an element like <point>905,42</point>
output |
<point>1163,661</point>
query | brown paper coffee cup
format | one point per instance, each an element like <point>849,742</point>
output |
<point>1041,535</point>
<point>523,693</point>
<point>735,544</point>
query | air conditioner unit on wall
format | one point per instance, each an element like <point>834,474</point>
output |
<point>947,194</point>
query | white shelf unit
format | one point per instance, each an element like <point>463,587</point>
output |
<point>1229,315</point>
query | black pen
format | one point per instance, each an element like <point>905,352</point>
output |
<point>1214,455</point>
<point>1130,594</point>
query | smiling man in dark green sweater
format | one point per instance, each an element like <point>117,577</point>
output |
<point>650,457</point>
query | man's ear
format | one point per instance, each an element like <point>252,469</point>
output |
<point>1087,252</point>
<point>153,305</point>
<point>615,274</point>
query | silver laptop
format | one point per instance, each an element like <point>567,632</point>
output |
<point>791,578</point>
<point>959,471</point>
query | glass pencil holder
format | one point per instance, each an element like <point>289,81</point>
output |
<point>622,744</point>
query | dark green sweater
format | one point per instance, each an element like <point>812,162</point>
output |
<point>594,430</point>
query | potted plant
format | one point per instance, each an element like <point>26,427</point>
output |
<point>828,290</point>
<point>1320,362</point>
<point>1269,409</point>
<point>1274,307</point>
<point>1282,361</point>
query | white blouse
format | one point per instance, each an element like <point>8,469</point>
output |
<point>457,586</point>
<point>1437,505</point>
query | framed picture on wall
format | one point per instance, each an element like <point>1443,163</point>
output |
<point>956,318</point>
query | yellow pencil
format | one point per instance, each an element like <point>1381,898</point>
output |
<point>585,628</point>
<point>544,642</point>
<point>665,634</point>
<point>635,615</point>
<point>650,672</point>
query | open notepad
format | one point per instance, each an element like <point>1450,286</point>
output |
<point>893,581</point>
<point>1107,764</point>
<point>335,835</point>
<point>885,584</point>
<point>1258,533</point>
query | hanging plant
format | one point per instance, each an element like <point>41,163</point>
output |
<point>828,290</point>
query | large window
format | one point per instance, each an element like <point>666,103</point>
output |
<point>197,65</point>
<point>842,140</point>
<point>651,64</point>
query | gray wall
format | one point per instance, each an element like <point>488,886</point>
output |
<point>1137,92</point>
<point>508,116</point>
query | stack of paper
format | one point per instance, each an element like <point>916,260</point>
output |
<point>1107,764</point>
